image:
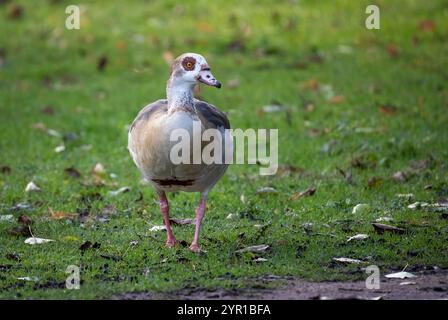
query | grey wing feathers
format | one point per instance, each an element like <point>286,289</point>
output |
<point>147,111</point>
<point>212,114</point>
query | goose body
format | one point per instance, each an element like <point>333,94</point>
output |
<point>150,146</point>
<point>150,143</point>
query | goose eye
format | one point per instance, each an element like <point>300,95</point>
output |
<point>188,63</point>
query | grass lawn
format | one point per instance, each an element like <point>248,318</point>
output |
<point>363,118</point>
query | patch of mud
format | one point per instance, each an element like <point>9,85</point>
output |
<point>433,285</point>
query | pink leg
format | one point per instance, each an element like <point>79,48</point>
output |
<point>165,209</point>
<point>199,215</point>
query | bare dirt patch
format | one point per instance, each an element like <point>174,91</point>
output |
<point>427,285</point>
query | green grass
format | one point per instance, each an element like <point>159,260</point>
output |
<point>275,51</point>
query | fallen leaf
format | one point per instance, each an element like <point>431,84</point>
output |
<point>86,245</point>
<point>381,228</point>
<point>31,279</point>
<point>5,170</point>
<point>98,168</point>
<point>31,187</point>
<point>102,63</point>
<point>266,190</point>
<point>20,231</point>
<point>39,126</point>
<point>419,165</point>
<point>306,193</point>
<point>272,108</point>
<point>15,11</point>
<point>119,191</point>
<point>53,133</point>
<point>387,219</point>
<point>400,176</point>
<point>25,220</point>
<point>7,217</point>
<point>157,228</point>
<point>70,136</point>
<point>204,27</point>
<point>72,172</point>
<point>407,196</point>
<point>374,182</point>
<point>287,169</point>
<point>13,257</point>
<point>58,215</point>
<point>361,208</point>
<point>400,275</point>
<point>21,206</point>
<point>418,205</point>
<point>360,236</point>
<point>393,51</point>
<point>89,245</point>
<point>337,99</point>
<point>34,240</point>
<point>255,249</point>
<point>310,84</point>
<point>347,260</point>
<point>59,149</point>
<point>388,109</point>
<point>177,221</point>
<point>427,25</point>
<point>48,110</point>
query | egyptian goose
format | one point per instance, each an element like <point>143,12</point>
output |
<point>149,139</point>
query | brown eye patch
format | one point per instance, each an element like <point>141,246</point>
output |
<point>189,63</point>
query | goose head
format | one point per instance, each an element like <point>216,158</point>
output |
<point>191,69</point>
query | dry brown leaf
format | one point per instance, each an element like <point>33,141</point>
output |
<point>427,25</point>
<point>388,109</point>
<point>5,170</point>
<point>102,63</point>
<point>381,228</point>
<point>25,220</point>
<point>306,193</point>
<point>204,27</point>
<point>23,231</point>
<point>374,182</point>
<point>177,221</point>
<point>58,215</point>
<point>337,99</point>
<point>48,110</point>
<point>72,172</point>
<point>310,84</point>
<point>15,11</point>
<point>393,51</point>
